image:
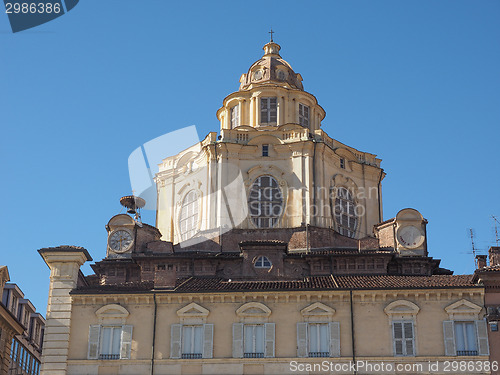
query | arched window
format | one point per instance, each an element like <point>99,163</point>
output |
<point>265,202</point>
<point>188,219</point>
<point>263,262</point>
<point>281,75</point>
<point>345,213</point>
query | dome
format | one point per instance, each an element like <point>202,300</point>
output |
<point>271,69</point>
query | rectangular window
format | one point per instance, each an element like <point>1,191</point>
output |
<point>235,116</point>
<point>110,342</point>
<point>303,115</point>
<point>253,336</point>
<point>192,342</point>
<point>265,150</point>
<point>268,110</point>
<point>404,344</point>
<point>319,341</point>
<point>465,338</point>
<point>342,163</point>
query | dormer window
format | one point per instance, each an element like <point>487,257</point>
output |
<point>303,115</point>
<point>235,116</point>
<point>342,163</point>
<point>268,110</point>
<point>281,75</point>
<point>265,150</point>
<point>263,262</point>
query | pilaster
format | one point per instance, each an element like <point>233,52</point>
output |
<point>64,263</point>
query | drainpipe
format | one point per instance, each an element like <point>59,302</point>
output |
<point>154,336</point>
<point>352,333</point>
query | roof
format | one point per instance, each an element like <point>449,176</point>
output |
<point>493,268</point>
<point>365,282</point>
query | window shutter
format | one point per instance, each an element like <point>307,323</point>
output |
<point>449,338</point>
<point>208,341</point>
<point>334,329</point>
<point>175,340</point>
<point>126,342</point>
<point>269,335</point>
<point>237,340</point>
<point>482,337</point>
<point>94,332</point>
<point>302,340</point>
<point>408,333</point>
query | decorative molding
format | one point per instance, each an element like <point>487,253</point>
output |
<point>463,309</point>
<point>112,313</point>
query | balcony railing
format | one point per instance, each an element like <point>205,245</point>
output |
<point>191,355</point>
<point>466,352</point>
<point>318,354</point>
<point>109,356</point>
<point>253,355</point>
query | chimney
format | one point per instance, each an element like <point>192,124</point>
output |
<point>494,252</point>
<point>481,261</point>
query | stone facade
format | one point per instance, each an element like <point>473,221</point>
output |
<point>224,284</point>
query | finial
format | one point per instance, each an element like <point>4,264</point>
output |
<point>271,32</point>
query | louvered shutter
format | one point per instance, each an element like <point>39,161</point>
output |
<point>397,329</point>
<point>208,340</point>
<point>302,340</point>
<point>449,338</point>
<point>334,330</point>
<point>409,337</point>
<point>482,337</point>
<point>94,333</point>
<point>126,345</point>
<point>237,340</point>
<point>269,334</point>
<point>175,340</point>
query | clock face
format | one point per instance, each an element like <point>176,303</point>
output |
<point>410,237</point>
<point>120,241</point>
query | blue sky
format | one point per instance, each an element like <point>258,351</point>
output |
<point>415,82</point>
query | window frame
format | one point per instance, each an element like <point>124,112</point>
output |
<point>262,264</point>
<point>338,202</point>
<point>254,353</point>
<point>192,354</point>
<point>190,220</point>
<point>235,113</point>
<point>269,111</point>
<point>403,339</point>
<point>111,355</point>
<point>257,201</point>
<point>304,115</point>
<point>265,150</point>
<point>466,351</point>
<point>318,354</point>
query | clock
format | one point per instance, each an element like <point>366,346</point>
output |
<point>120,241</point>
<point>410,237</point>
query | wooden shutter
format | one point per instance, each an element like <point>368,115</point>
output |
<point>269,335</point>
<point>334,330</point>
<point>409,338</point>
<point>302,340</point>
<point>482,337</point>
<point>208,341</point>
<point>237,340</point>
<point>126,346</point>
<point>175,340</point>
<point>94,333</point>
<point>397,336</point>
<point>449,338</point>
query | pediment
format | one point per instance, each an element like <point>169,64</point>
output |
<point>192,310</point>
<point>317,309</point>
<point>463,308</point>
<point>112,311</point>
<point>401,307</point>
<point>253,309</point>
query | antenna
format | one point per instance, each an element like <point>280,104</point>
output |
<point>495,220</point>
<point>473,247</point>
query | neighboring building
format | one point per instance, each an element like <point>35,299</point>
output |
<point>269,252</point>
<point>22,330</point>
<point>489,276</point>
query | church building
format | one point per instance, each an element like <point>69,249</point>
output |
<point>270,255</point>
